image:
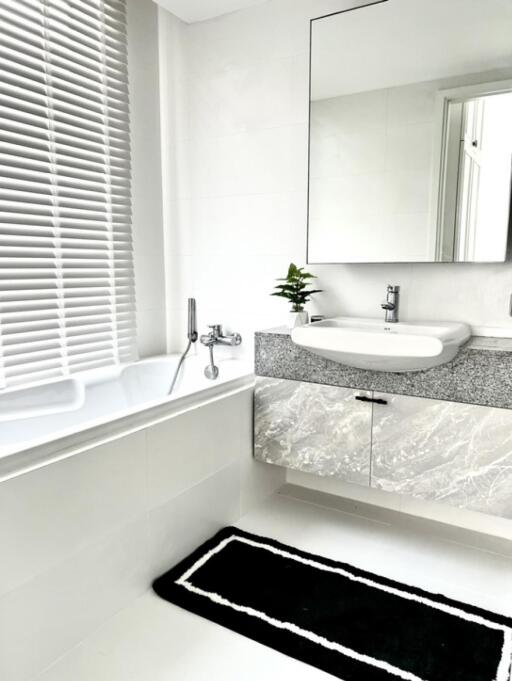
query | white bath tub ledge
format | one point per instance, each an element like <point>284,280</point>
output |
<point>45,422</point>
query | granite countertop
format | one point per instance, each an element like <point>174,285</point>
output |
<point>481,373</point>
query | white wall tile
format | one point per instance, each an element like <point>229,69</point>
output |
<point>270,160</point>
<point>189,519</point>
<point>55,511</point>
<point>251,224</point>
<point>149,342</point>
<point>190,447</point>
<point>242,98</point>
<point>411,104</point>
<point>147,219</point>
<point>241,64</point>
<point>409,148</point>
<point>150,286</point>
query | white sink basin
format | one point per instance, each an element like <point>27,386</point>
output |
<point>379,346</point>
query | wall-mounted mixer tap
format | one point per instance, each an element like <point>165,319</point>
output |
<point>216,337</point>
<point>392,304</point>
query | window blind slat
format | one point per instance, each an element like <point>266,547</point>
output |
<point>16,106</point>
<point>70,101</point>
<point>33,122</point>
<point>66,254</point>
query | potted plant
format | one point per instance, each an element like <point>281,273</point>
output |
<point>296,290</point>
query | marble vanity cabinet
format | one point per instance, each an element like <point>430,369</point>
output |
<point>459,454</point>
<point>314,428</point>
<point>443,434</point>
<point>450,452</point>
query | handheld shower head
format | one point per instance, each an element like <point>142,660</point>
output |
<point>192,337</point>
<point>192,324</point>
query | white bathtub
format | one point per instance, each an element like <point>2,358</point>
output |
<point>43,423</point>
<point>98,500</point>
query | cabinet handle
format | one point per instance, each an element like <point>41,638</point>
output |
<point>375,400</point>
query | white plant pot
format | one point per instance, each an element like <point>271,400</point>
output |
<point>297,319</point>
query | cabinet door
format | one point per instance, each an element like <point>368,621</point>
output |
<point>314,428</point>
<point>456,453</point>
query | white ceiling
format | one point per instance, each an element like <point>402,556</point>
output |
<point>199,10</point>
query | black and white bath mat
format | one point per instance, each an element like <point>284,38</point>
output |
<point>347,622</point>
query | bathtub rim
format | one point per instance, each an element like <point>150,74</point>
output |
<point>47,451</point>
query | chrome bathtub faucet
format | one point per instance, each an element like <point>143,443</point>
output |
<point>392,304</point>
<point>216,337</point>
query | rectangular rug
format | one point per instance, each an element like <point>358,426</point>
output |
<point>345,621</point>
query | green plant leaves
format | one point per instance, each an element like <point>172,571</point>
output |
<point>296,287</point>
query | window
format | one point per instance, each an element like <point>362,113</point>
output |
<point>66,265</point>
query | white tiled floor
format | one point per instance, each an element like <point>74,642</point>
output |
<point>152,640</point>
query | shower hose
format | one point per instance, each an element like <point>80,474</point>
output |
<point>176,373</point>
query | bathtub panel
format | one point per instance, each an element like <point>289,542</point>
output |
<point>192,446</point>
<point>53,612</point>
<point>52,512</point>
<point>183,523</point>
<point>313,428</point>
<point>84,535</point>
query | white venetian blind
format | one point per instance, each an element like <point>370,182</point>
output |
<point>66,271</point>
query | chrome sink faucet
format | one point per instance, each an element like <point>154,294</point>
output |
<point>392,304</point>
<point>216,337</point>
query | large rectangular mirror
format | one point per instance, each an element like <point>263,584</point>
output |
<point>411,133</point>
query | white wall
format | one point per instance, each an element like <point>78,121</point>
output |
<point>146,176</point>
<point>235,102</point>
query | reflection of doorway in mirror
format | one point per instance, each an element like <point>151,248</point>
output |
<point>485,162</point>
<point>476,172</point>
